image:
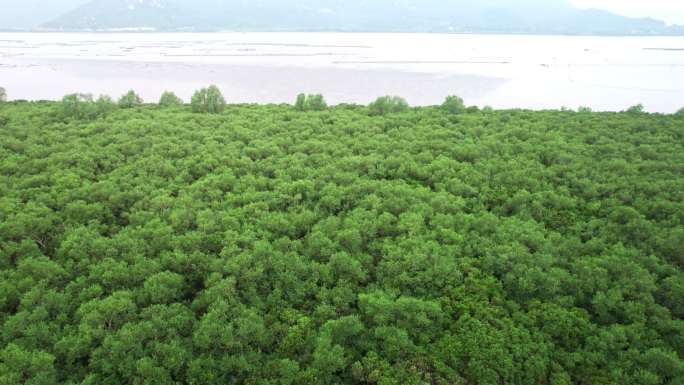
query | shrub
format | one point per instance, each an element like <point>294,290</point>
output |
<point>169,99</point>
<point>208,100</point>
<point>387,105</point>
<point>130,100</point>
<point>453,105</point>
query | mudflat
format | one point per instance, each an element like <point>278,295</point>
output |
<point>537,72</point>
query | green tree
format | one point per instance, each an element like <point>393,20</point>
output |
<point>130,100</point>
<point>300,104</point>
<point>311,102</point>
<point>165,287</point>
<point>671,294</point>
<point>316,102</point>
<point>388,105</point>
<point>104,105</point>
<point>453,105</point>
<point>636,109</point>
<point>208,100</point>
<point>169,99</point>
<point>20,366</point>
<point>77,106</point>
<point>82,106</point>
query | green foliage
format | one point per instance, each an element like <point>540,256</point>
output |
<point>454,105</point>
<point>169,99</point>
<point>636,109</point>
<point>158,246</point>
<point>78,106</point>
<point>19,366</point>
<point>208,100</point>
<point>130,100</point>
<point>300,104</point>
<point>388,105</point>
<point>104,105</point>
<point>82,106</point>
<point>311,102</point>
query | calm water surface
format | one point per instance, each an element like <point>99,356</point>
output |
<point>605,73</point>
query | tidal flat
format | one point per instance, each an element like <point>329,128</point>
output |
<point>503,71</point>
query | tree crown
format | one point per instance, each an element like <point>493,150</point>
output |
<point>130,100</point>
<point>208,100</point>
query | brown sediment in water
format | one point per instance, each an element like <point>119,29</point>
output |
<point>264,83</point>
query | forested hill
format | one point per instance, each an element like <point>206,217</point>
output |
<point>30,14</point>
<point>484,16</point>
<point>272,244</point>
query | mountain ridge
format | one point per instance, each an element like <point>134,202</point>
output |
<point>483,16</point>
<point>29,14</point>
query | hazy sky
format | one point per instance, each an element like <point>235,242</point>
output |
<point>672,11</point>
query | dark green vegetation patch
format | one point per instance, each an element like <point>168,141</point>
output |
<point>263,245</point>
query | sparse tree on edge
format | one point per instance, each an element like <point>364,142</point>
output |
<point>169,99</point>
<point>388,104</point>
<point>78,105</point>
<point>636,109</point>
<point>208,100</point>
<point>311,102</point>
<point>83,106</point>
<point>316,103</point>
<point>130,100</point>
<point>300,104</point>
<point>104,105</point>
<point>453,105</point>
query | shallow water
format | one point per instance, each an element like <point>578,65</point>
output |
<point>605,73</point>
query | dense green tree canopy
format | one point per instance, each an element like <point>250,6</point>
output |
<point>263,245</point>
